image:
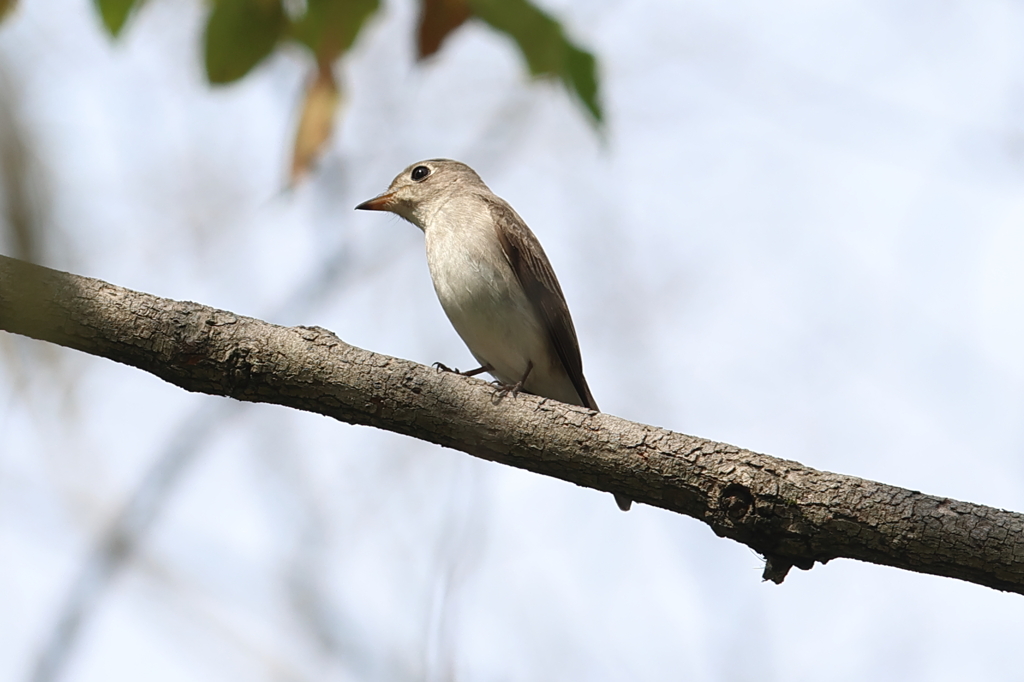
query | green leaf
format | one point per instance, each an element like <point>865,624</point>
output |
<point>240,33</point>
<point>547,50</point>
<point>329,27</point>
<point>115,13</point>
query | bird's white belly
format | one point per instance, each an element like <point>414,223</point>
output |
<point>487,306</point>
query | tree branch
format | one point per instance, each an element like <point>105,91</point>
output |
<point>789,513</point>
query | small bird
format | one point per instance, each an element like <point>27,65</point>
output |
<point>493,280</point>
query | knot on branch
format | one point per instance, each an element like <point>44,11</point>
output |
<point>318,335</point>
<point>736,501</point>
<point>776,567</point>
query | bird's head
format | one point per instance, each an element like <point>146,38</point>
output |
<point>418,191</point>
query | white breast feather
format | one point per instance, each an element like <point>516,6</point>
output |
<point>480,294</point>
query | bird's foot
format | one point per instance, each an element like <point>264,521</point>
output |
<point>441,367</point>
<point>502,389</point>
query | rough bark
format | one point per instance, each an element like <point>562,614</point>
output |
<point>791,514</point>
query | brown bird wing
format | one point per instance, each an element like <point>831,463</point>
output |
<point>528,261</point>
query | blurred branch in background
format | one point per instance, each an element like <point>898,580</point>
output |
<point>342,634</point>
<point>119,542</point>
<point>117,545</point>
<point>242,33</point>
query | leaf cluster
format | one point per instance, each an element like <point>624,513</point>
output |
<point>241,33</point>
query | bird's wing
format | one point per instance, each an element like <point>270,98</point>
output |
<point>528,261</point>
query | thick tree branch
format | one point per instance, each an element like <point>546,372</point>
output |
<point>791,514</point>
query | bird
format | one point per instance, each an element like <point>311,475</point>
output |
<point>494,282</point>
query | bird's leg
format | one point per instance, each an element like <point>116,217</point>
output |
<point>505,389</point>
<point>441,367</point>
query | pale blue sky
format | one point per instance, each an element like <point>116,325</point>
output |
<point>804,236</point>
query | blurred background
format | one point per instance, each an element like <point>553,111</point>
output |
<point>799,229</point>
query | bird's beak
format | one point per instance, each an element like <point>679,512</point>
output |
<point>381,203</point>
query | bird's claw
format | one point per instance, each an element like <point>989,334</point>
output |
<point>441,367</point>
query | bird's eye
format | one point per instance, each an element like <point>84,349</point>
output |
<point>419,172</point>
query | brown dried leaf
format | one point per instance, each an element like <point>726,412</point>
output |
<point>5,7</point>
<point>438,18</point>
<point>317,121</point>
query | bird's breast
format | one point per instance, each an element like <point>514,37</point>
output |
<point>484,300</point>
